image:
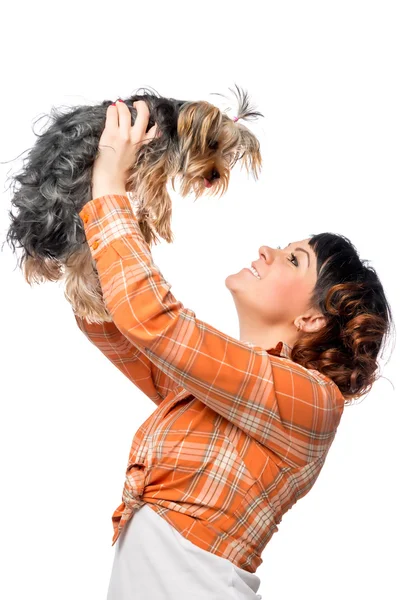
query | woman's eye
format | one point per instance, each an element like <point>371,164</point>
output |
<point>293,258</point>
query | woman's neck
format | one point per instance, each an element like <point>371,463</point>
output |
<point>267,338</point>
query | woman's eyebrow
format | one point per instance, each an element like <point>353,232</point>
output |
<point>302,250</point>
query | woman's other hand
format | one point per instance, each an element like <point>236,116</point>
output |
<point>118,146</point>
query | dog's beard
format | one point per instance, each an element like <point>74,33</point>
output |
<point>203,176</point>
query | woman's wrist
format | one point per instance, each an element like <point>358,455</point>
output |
<point>108,189</point>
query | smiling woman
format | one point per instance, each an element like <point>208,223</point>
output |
<point>242,427</point>
<point>235,418</point>
<point>274,306</point>
<point>320,288</point>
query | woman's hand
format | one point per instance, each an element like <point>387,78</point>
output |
<point>118,146</point>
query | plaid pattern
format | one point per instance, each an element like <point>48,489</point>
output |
<point>239,433</point>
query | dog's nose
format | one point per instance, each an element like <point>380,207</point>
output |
<point>214,175</point>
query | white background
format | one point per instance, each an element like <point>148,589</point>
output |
<point>326,77</point>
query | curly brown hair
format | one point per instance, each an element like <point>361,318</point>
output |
<point>349,294</point>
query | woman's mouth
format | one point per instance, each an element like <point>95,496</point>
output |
<point>253,272</point>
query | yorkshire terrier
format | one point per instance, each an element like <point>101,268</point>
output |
<point>197,143</point>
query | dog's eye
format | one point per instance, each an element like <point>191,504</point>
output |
<point>213,144</point>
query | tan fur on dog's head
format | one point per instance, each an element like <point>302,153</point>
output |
<point>208,144</point>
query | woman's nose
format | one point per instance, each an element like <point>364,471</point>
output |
<point>267,254</point>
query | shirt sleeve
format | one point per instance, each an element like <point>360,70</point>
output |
<point>131,361</point>
<point>291,410</point>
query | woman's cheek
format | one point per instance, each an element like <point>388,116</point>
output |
<point>288,292</point>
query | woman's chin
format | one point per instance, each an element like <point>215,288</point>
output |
<point>230,281</point>
<point>235,281</point>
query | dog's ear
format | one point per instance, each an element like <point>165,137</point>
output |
<point>198,124</point>
<point>246,144</point>
<point>250,156</point>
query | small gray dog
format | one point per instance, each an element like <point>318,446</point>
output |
<point>197,142</point>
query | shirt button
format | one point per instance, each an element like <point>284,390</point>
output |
<point>85,218</point>
<point>95,244</point>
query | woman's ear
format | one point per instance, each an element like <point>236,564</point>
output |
<point>311,322</point>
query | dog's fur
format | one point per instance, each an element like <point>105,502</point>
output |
<point>197,142</point>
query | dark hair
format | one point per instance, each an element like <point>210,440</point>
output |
<point>349,294</point>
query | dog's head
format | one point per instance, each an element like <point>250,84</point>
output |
<point>197,144</point>
<point>210,143</point>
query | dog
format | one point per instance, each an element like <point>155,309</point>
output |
<point>197,143</point>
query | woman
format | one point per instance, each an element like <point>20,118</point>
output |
<point>242,428</point>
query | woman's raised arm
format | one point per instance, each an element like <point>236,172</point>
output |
<point>131,361</point>
<point>287,408</point>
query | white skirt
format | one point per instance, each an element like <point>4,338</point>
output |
<point>153,561</point>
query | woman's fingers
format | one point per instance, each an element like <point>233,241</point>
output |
<point>111,117</point>
<point>124,117</point>
<point>118,119</point>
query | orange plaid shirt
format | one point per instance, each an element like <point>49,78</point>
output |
<point>239,434</point>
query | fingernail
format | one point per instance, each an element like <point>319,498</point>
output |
<point>112,104</point>
<point>119,100</point>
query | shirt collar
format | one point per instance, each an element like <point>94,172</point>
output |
<point>281,349</point>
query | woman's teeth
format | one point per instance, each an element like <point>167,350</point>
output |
<point>252,269</point>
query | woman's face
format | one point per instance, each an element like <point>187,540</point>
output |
<point>287,280</point>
